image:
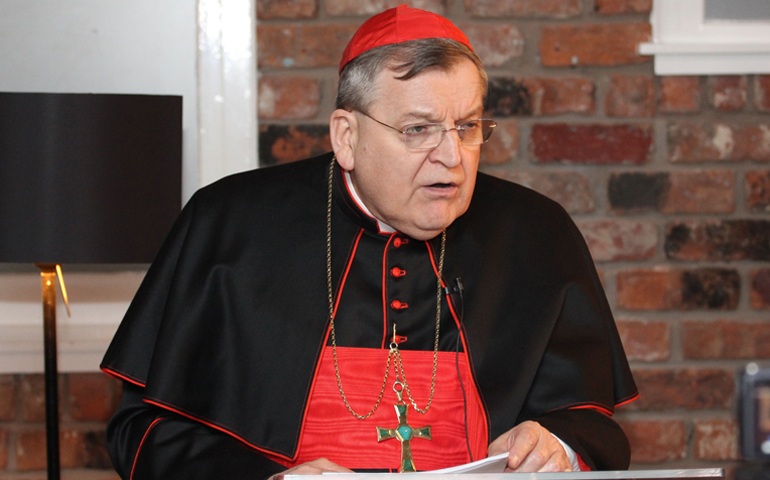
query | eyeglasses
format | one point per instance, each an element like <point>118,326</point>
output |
<point>426,136</point>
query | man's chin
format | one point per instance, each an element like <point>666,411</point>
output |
<point>427,230</point>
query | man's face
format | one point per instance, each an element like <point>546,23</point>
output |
<point>418,192</point>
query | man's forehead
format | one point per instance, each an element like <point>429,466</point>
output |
<point>396,96</point>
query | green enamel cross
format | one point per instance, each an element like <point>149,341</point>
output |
<point>404,433</point>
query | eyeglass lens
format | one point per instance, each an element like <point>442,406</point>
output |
<point>474,132</point>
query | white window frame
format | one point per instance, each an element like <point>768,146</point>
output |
<point>685,43</point>
<point>226,142</point>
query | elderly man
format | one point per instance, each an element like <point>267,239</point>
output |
<point>293,309</point>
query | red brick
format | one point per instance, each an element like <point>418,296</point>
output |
<point>591,144</point>
<point>758,187</point>
<point>510,96</point>
<point>371,7</point>
<point>691,142</point>
<point>31,450</point>
<point>3,449</point>
<point>571,190</point>
<point>644,340</point>
<point>503,145</point>
<point>272,9</point>
<point>710,191</point>
<point>762,92</point>
<point>679,94</point>
<point>72,449</point>
<point>559,95</point>
<point>91,396</point>
<point>725,240</point>
<point>614,240</point>
<point>595,45</point>
<point>283,144</point>
<point>286,46</point>
<point>630,96</point>
<point>288,98</point>
<point>727,92</point>
<point>690,388</point>
<point>670,289</point>
<point>609,7</point>
<point>7,396</point>
<point>725,339</point>
<point>760,288</point>
<point>32,397</point>
<point>659,289</point>
<point>716,440</point>
<point>523,8</point>
<point>495,44</point>
<point>656,440</point>
<point>710,289</point>
<point>631,192</point>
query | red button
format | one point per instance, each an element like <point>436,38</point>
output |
<point>397,305</point>
<point>400,241</point>
<point>397,272</point>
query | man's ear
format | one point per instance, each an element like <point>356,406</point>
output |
<point>343,133</point>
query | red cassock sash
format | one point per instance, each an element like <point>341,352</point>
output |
<point>330,431</point>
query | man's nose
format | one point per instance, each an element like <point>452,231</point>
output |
<point>448,149</point>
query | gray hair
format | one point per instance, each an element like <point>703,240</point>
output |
<point>408,59</point>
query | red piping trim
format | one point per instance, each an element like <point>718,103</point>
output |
<point>347,270</point>
<point>469,365</point>
<point>158,403</point>
<point>122,376</point>
<point>467,350</point>
<point>468,355</point>
<point>592,407</point>
<point>385,334</point>
<point>630,399</point>
<point>144,437</point>
<point>599,408</point>
<point>433,262</point>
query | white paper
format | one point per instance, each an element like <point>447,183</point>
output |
<point>494,464</point>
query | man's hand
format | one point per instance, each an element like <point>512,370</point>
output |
<point>316,467</point>
<point>531,448</point>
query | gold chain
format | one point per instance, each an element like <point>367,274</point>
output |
<point>393,355</point>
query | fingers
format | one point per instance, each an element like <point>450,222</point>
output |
<point>531,448</point>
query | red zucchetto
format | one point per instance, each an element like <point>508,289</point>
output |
<point>397,25</point>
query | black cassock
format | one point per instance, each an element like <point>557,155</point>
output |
<point>219,347</point>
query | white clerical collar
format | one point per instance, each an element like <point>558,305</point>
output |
<point>384,227</point>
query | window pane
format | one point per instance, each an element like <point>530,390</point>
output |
<point>737,9</point>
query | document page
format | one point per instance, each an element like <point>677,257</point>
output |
<point>494,464</point>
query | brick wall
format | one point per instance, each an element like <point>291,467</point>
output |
<point>86,401</point>
<point>667,177</point>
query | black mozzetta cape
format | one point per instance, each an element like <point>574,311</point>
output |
<point>220,345</point>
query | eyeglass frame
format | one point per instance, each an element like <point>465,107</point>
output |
<point>459,128</point>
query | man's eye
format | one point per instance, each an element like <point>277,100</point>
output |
<point>416,129</point>
<point>473,124</point>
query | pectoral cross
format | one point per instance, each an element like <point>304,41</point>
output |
<point>404,433</point>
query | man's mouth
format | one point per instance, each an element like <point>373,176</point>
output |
<point>441,185</point>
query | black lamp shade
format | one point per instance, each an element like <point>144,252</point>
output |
<point>88,178</point>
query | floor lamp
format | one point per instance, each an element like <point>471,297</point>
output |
<point>84,178</point>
